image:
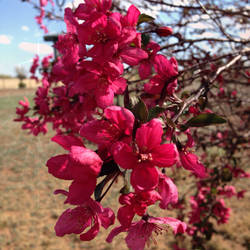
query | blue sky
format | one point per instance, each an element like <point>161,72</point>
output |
<point>20,36</point>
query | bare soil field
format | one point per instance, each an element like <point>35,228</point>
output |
<point>29,210</point>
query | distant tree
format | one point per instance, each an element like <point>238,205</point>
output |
<point>3,76</point>
<point>21,74</point>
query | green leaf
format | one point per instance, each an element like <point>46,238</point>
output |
<point>155,112</point>
<point>145,38</point>
<point>127,101</point>
<point>202,120</point>
<point>144,18</point>
<point>140,111</point>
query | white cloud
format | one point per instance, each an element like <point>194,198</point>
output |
<point>200,25</point>
<point>36,48</point>
<point>73,4</point>
<point>4,39</point>
<point>207,34</point>
<point>195,18</point>
<point>25,28</point>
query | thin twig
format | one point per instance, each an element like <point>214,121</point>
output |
<point>203,88</point>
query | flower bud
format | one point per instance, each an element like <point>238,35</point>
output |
<point>164,31</point>
<point>190,162</point>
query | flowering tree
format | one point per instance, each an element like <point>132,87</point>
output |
<point>145,93</point>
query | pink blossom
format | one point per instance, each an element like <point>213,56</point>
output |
<point>81,165</point>
<point>144,155</point>
<point>227,191</point>
<point>89,214</point>
<point>238,172</point>
<point>39,19</point>
<point>116,125</point>
<point>241,194</point>
<point>104,37</point>
<point>221,211</point>
<point>145,68</point>
<point>42,99</point>
<point>193,110</point>
<point>131,18</point>
<point>35,125</point>
<point>43,3</point>
<point>101,81</point>
<point>70,20</point>
<point>234,93</point>
<point>80,162</point>
<point>86,11</point>
<point>67,46</point>
<point>168,191</point>
<point>132,56</point>
<point>166,72</point>
<point>190,162</point>
<point>198,211</point>
<point>135,203</point>
<point>23,110</point>
<point>34,67</point>
<point>46,62</point>
<point>141,232</point>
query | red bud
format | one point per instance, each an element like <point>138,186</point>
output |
<point>164,31</point>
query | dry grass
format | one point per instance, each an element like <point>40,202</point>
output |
<point>29,210</point>
<point>12,83</point>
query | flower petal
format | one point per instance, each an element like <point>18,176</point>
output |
<point>122,117</point>
<point>107,217</point>
<point>124,156</point>
<point>154,86</point>
<point>164,155</point>
<point>72,221</point>
<point>132,56</point>
<point>145,69</point>
<point>125,215</point>
<point>177,225</point>
<point>86,161</point>
<point>144,177</point>
<point>191,162</point>
<point>67,141</point>
<point>132,16</point>
<point>97,131</point>
<point>138,235</point>
<point>168,191</point>
<point>92,232</point>
<point>119,85</point>
<point>114,232</point>
<point>149,135</point>
<point>104,98</point>
<point>59,167</point>
<point>80,192</point>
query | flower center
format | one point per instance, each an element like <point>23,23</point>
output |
<point>145,157</point>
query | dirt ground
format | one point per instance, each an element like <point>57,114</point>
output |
<point>29,210</point>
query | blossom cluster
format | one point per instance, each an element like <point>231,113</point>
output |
<point>79,95</point>
<point>39,19</point>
